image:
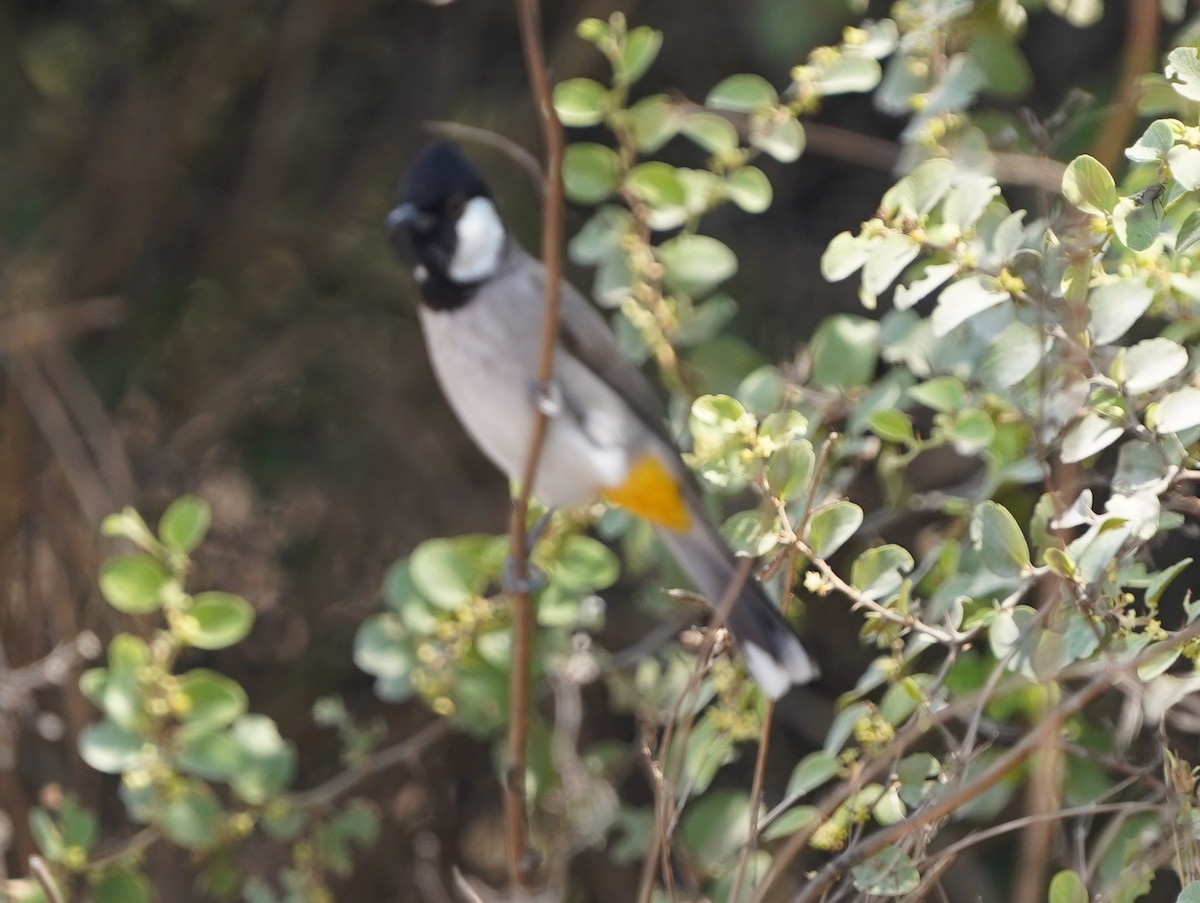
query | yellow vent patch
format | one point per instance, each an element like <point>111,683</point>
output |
<point>651,491</point>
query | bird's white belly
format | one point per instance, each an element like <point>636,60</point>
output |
<point>489,376</point>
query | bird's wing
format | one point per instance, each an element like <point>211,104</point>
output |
<point>585,335</point>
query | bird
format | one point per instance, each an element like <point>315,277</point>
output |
<point>481,306</point>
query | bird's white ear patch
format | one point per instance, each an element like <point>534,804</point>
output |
<point>480,242</point>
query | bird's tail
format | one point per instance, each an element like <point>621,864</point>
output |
<point>772,652</point>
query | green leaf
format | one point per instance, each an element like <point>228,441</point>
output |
<point>888,258</point>
<point>1189,894</point>
<point>789,469</point>
<point>656,184</point>
<point>964,299</point>
<point>891,425</point>
<point>1152,147</point>
<point>270,760</point>
<point>221,620</point>
<point>762,390</point>
<point>704,321</point>
<point>1089,186</point>
<point>1068,887</point>
<point>712,132</point>
<point>46,834</point>
<point>641,47</point>
<point>942,393</point>
<point>715,826</point>
<point>845,352</point>
<point>1000,542</point>
<point>742,93</point>
<point>80,827</point>
<point>878,572</point>
<point>184,524</point>
<point>382,647</point>
<point>1115,306</point>
<point>1177,412</point>
<point>971,431</point>
<point>1150,363</point>
<point>1136,224</point>
<point>601,236</point>
<point>695,263</point>
<point>109,748</point>
<point>580,102</point>
<point>1160,581</point>
<point>1183,72</point>
<point>708,748</point>
<point>654,121</point>
<point>889,873</point>
<point>920,191</point>
<point>1184,162</point>
<point>1011,356</point>
<point>832,525</point>
<point>813,770</point>
<point>846,253</point>
<point>967,200</point>
<point>192,818</point>
<point>750,189</point>
<point>208,753</point>
<point>584,565</point>
<point>452,572</point>
<point>121,884</point>
<point>213,699</point>
<point>133,583</point>
<point>790,822</point>
<point>1091,434</point>
<point>778,135</point>
<point>752,532</point>
<point>931,276</point>
<point>848,74</point>
<point>1189,232</point>
<point>590,172</point>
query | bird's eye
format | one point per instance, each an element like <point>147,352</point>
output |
<point>454,206</point>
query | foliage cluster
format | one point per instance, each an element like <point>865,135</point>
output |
<point>1051,355</point>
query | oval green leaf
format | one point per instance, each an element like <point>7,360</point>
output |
<point>590,172</point>
<point>1000,542</point>
<point>220,620</point>
<point>742,93</point>
<point>184,524</point>
<point>580,102</point>
<point>1089,186</point>
<point>133,583</point>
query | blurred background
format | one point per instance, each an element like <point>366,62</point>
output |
<point>196,295</point>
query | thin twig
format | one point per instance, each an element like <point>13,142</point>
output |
<point>521,864</point>
<point>663,776</point>
<point>407,750</point>
<point>760,762</point>
<point>62,322</point>
<point>949,802</point>
<point>523,158</point>
<point>41,874</point>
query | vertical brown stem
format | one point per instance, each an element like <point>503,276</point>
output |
<point>521,863</point>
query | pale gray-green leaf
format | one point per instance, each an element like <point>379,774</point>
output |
<point>1089,186</point>
<point>1093,433</point>
<point>964,299</point>
<point>1151,362</point>
<point>1177,412</point>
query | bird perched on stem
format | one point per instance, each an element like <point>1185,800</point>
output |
<point>481,311</point>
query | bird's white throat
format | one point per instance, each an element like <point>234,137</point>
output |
<point>480,242</point>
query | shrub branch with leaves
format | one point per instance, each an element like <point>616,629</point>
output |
<point>1027,631</point>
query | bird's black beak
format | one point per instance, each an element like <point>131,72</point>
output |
<point>408,217</point>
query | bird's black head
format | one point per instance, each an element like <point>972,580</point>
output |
<point>455,242</point>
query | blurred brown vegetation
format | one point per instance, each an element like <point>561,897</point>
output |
<point>196,295</point>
